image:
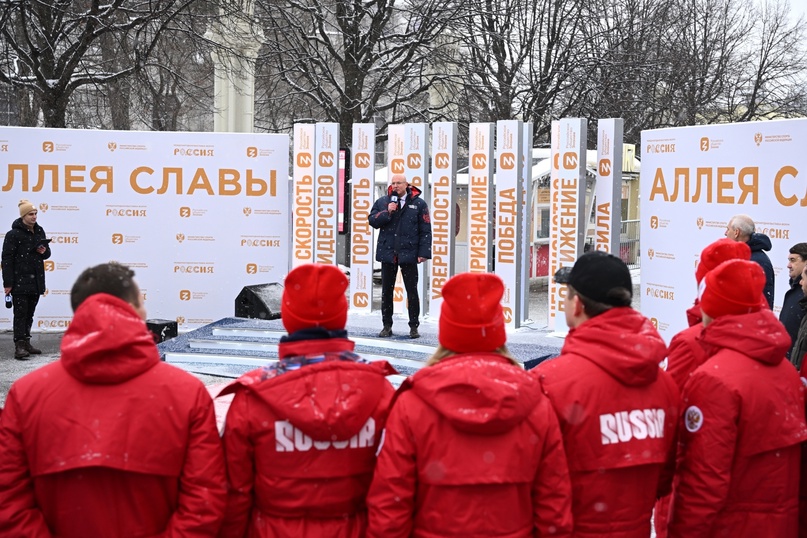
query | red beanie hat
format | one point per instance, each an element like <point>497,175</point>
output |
<point>471,317</point>
<point>721,250</point>
<point>314,296</point>
<point>734,287</point>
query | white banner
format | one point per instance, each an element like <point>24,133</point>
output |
<point>396,155</point>
<point>508,217</point>
<point>567,192</point>
<point>416,147</point>
<point>197,216</point>
<point>556,291</point>
<point>326,164</point>
<point>480,197</point>
<point>362,196</point>
<point>526,218</point>
<point>302,203</point>
<point>694,179</point>
<point>608,192</point>
<point>443,211</point>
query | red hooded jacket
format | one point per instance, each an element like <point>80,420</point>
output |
<point>618,412</point>
<point>472,449</point>
<point>109,441</point>
<point>300,446</point>
<point>743,422</point>
<point>684,355</point>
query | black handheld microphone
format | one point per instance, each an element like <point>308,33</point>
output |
<point>394,199</point>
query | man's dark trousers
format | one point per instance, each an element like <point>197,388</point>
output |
<point>24,307</point>
<point>409,273</point>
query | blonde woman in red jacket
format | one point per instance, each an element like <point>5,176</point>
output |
<point>471,448</point>
<point>739,454</point>
<point>301,435</point>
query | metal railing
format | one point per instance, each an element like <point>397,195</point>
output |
<point>629,243</point>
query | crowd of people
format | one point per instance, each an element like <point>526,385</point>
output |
<point>619,433</point>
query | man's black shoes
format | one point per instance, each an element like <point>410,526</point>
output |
<point>20,353</point>
<point>386,332</point>
<point>413,333</point>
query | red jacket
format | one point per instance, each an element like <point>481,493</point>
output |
<point>109,441</point>
<point>685,354</point>
<point>738,459</point>
<point>618,412</point>
<point>300,445</point>
<point>471,449</point>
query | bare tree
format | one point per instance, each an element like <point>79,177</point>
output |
<point>686,62</point>
<point>50,48</point>
<point>348,62</point>
<point>772,71</point>
<point>629,63</point>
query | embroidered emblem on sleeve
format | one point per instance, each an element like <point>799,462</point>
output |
<point>693,419</point>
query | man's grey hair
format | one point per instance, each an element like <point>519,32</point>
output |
<point>744,223</point>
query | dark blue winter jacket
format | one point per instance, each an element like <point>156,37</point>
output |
<point>404,235</point>
<point>758,244</point>
<point>791,312</point>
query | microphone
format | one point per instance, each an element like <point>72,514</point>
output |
<point>394,198</point>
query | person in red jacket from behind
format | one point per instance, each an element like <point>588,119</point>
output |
<point>300,436</point>
<point>472,448</point>
<point>686,353</point>
<point>108,441</point>
<point>738,457</point>
<point>618,410</point>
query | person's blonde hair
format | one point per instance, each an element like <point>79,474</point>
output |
<point>443,353</point>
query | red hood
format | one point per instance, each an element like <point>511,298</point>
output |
<point>107,342</point>
<point>622,342</point>
<point>411,190</point>
<point>480,393</point>
<point>694,315</point>
<point>330,401</point>
<point>758,335</point>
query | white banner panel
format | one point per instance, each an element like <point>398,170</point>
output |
<point>526,218</point>
<point>362,196</point>
<point>608,192</point>
<point>508,217</point>
<point>443,211</point>
<point>568,194</point>
<point>557,291</point>
<point>480,197</point>
<point>198,216</point>
<point>302,204</point>
<point>396,154</point>
<point>326,202</point>
<point>694,179</point>
<point>416,147</point>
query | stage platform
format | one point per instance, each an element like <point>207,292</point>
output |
<point>230,347</point>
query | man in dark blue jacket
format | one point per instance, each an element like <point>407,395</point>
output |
<point>741,228</point>
<point>404,240</point>
<point>791,312</point>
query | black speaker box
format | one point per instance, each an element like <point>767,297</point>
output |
<point>260,301</point>
<point>162,329</point>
